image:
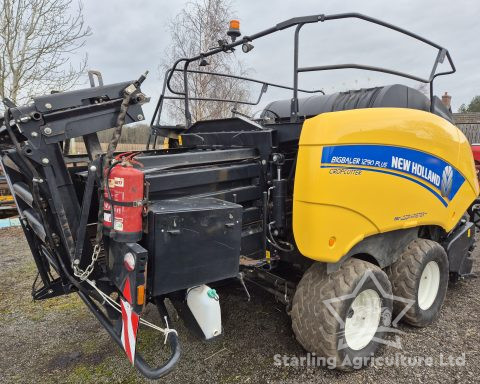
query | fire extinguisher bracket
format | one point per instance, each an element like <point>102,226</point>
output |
<point>137,203</point>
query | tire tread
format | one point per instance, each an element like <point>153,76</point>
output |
<point>315,328</point>
<point>403,274</point>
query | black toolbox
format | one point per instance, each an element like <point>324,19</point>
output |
<point>192,241</point>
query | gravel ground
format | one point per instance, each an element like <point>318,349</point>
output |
<point>59,341</point>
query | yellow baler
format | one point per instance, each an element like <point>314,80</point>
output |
<point>369,171</point>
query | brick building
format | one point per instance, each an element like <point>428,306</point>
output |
<point>468,122</point>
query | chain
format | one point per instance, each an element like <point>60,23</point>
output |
<point>77,271</point>
<point>83,274</point>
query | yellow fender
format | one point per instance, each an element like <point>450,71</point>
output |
<point>368,171</point>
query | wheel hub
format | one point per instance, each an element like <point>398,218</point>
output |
<point>429,284</point>
<point>363,319</point>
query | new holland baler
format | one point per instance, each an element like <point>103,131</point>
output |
<point>339,205</point>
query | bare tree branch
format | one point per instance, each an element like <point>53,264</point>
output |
<point>197,28</point>
<point>38,40</point>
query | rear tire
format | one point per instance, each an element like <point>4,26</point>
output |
<point>421,275</point>
<point>363,309</point>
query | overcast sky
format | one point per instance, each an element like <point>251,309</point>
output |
<point>130,37</point>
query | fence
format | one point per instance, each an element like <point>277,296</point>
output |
<point>79,147</point>
<point>471,131</point>
<point>469,124</point>
<point>133,138</point>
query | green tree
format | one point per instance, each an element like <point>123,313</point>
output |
<point>473,106</point>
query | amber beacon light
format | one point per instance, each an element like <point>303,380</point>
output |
<point>234,29</point>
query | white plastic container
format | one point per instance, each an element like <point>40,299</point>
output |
<point>204,304</point>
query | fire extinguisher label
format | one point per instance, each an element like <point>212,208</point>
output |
<point>111,183</point>
<point>107,217</point>
<point>118,226</point>
<point>119,182</point>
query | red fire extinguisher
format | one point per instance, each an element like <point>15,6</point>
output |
<point>124,201</point>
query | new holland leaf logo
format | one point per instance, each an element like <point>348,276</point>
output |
<point>387,325</point>
<point>447,180</point>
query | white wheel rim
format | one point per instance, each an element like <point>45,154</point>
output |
<point>429,284</point>
<point>363,319</point>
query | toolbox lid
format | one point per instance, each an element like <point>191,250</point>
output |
<point>186,204</point>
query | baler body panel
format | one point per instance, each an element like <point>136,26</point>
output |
<point>368,171</point>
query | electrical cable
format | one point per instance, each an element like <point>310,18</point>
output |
<point>117,308</point>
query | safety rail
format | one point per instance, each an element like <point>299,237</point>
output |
<point>299,22</point>
<point>155,121</point>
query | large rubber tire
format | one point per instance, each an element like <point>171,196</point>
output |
<point>318,330</point>
<point>406,274</point>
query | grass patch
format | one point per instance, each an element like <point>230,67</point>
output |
<point>88,374</point>
<point>16,298</point>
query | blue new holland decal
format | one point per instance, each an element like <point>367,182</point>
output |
<point>438,176</point>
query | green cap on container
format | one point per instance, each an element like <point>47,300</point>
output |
<point>212,293</point>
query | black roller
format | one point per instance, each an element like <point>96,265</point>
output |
<point>393,96</point>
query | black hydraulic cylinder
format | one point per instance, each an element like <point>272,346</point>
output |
<point>279,195</point>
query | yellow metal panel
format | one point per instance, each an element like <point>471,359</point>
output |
<point>388,176</point>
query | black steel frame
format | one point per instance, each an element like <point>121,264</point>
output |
<point>54,222</point>
<point>155,121</point>
<point>299,22</point>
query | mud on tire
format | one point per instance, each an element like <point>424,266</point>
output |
<point>318,330</point>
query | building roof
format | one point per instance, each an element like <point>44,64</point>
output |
<point>466,118</point>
